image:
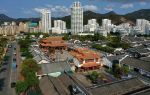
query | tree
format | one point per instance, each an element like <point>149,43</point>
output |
<point>114,65</point>
<point>117,70</point>
<point>105,48</point>
<point>45,35</point>
<point>29,68</point>
<point>25,71</point>
<point>24,43</point>
<point>30,64</point>
<point>31,79</point>
<point>21,86</point>
<point>115,34</point>
<point>125,70</point>
<point>125,45</point>
<point>66,36</point>
<point>3,42</point>
<point>96,37</point>
<point>6,58</point>
<point>93,76</point>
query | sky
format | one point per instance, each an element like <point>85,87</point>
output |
<point>30,8</point>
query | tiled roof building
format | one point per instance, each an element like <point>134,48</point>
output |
<point>86,59</point>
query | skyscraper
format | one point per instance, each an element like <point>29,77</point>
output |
<point>76,18</point>
<point>46,21</point>
<point>59,27</point>
<point>106,24</point>
<point>143,26</point>
<point>60,24</point>
<point>92,26</point>
<point>9,28</point>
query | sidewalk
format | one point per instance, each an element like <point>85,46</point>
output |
<point>18,59</point>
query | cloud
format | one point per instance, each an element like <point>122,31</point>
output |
<point>90,7</point>
<point>124,1</point>
<point>56,10</point>
<point>3,11</point>
<point>127,5</point>
<point>142,3</point>
<point>108,8</point>
<point>59,10</point>
<point>39,9</point>
<point>27,12</point>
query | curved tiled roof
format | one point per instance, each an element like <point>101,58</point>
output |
<point>90,64</point>
<point>53,42</point>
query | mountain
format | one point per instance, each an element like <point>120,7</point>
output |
<point>3,18</point>
<point>140,14</point>
<point>27,19</point>
<point>116,18</point>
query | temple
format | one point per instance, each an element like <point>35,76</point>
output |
<point>53,43</point>
<point>86,59</point>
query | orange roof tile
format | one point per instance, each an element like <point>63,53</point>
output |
<point>49,39</point>
<point>84,54</point>
<point>53,42</point>
<point>90,64</point>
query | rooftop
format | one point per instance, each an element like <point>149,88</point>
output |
<point>83,53</point>
<point>53,42</point>
<point>115,57</point>
<point>118,88</point>
<point>145,92</point>
<point>47,87</point>
<point>89,64</point>
<point>49,39</point>
<point>138,63</point>
<point>55,86</point>
<point>55,67</point>
<point>133,39</point>
<point>145,59</point>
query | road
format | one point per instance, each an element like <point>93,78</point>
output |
<point>5,73</point>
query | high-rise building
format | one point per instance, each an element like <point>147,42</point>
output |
<point>46,21</point>
<point>76,18</point>
<point>33,27</point>
<point>106,24</point>
<point>91,26</point>
<point>59,24</point>
<point>123,29</point>
<point>59,27</point>
<point>143,26</point>
<point>23,27</point>
<point>9,28</point>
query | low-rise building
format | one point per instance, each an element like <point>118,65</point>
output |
<point>85,59</point>
<point>124,87</point>
<point>52,43</point>
<point>137,65</point>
